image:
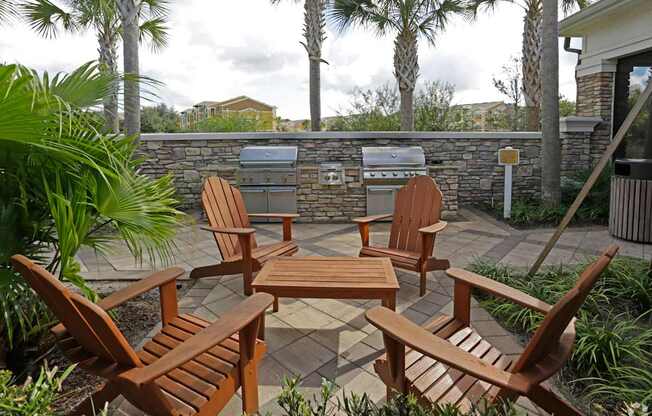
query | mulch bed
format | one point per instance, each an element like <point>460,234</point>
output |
<point>135,318</point>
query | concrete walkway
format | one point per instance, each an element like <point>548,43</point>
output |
<point>331,339</point>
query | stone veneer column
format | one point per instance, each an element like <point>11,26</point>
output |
<point>595,96</point>
<point>576,140</point>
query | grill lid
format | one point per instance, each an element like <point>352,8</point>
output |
<point>393,157</point>
<point>268,156</point>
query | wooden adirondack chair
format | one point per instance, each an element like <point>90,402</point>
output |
<point>191,367</point>
<point>446,361</point>
<point>229,223</point>
<point>416,222</point>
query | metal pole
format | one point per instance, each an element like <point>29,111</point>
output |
<point>507,202</point>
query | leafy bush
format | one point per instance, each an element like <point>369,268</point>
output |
<point>594,209</point>
<point>65,185</point>
<point>379,110</point>
<point>24,317</point>
<point>294,403</point>
<point>605,344</point>
<point>613,349</point>
<point>229,122</point>
<point>158,119</point>
<point>34,397</point>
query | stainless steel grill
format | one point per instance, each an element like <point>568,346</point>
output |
<point>268,177</point>
<point>385,170</point>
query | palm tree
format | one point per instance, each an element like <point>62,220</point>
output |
<point>531,48</point>
<point>551,147</point>
<point>64,185</point>
<point>314,34</point>
<point>102,17</point>
<point>131,66</point>
<point>408,19</point>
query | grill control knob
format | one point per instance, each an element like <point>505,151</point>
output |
<point>395,173</point>
<point>384,174</point>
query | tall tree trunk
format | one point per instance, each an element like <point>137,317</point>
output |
<point>532,32</point>
<point>313,31</point>
<point>130,36</point>
<point>551,149</point>
<point>406,71</point>
<point>108,62</point>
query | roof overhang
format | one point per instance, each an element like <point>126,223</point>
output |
<point>575,25</point>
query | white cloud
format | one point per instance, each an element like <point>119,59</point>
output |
<point>222,49</point>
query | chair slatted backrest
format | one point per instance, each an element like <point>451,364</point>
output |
<point>89,324</point>
<point>225,208</point>
<point>548,339</point>
<point>417,205</point>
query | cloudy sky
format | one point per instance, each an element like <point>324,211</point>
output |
<point>221,49</point>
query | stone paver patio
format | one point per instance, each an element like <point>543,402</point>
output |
<point>316,338</point>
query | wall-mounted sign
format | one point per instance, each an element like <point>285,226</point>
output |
<point>509,156</point>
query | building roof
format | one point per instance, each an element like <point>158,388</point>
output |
<point>576,24</point>
<point>241,98</point>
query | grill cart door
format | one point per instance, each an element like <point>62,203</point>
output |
<point>282,200</point>
<point>255,201</point>
<point>380,199</point>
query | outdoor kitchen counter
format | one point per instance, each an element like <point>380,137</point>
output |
<point>329,203</point>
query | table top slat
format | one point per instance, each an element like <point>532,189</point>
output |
<point>324,273</point>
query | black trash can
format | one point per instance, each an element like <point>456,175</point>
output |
<point>630,213</point>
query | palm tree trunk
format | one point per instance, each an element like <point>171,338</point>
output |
<point>532,27</point>
<point>130,37</point>
<point>406,71</point>
<point>315,95</point>
<point>108,63</point>
<point>313,31</point>
<point>551,148</point>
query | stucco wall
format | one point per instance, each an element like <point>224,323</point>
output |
<point>610,29</point>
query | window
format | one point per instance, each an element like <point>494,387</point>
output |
<point>632,77</point>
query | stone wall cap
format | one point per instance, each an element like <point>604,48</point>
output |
<point>337,135</point>
<point>577,124</point>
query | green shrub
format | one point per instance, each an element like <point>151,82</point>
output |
<point>594,209</point>
<point>294,403</point>
<point>227,123</point>
<point>630,279</point>
<point>629,384</point>
<point>34,397</point>
<point>608,343</point>
<point>613,349</point>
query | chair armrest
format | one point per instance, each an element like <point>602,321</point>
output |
<point>230,323</point>
<point>409,334</point>
<point>498,289</point>
<point>287,222</point>
<point>434,228</point>
<point>274,215</point>
<point>371,218</point>
<point>235,231</point>
<point>145,285</point>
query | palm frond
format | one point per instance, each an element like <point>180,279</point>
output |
<point>43,17</point>
<point>84,178</point>
<point>7,10</point>
<point>154,8</point>
<point>155,32</point>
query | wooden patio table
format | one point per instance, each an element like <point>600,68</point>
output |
<point>330,278</point>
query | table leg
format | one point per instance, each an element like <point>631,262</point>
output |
<point>390,301</point>
<point>275,303</point>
